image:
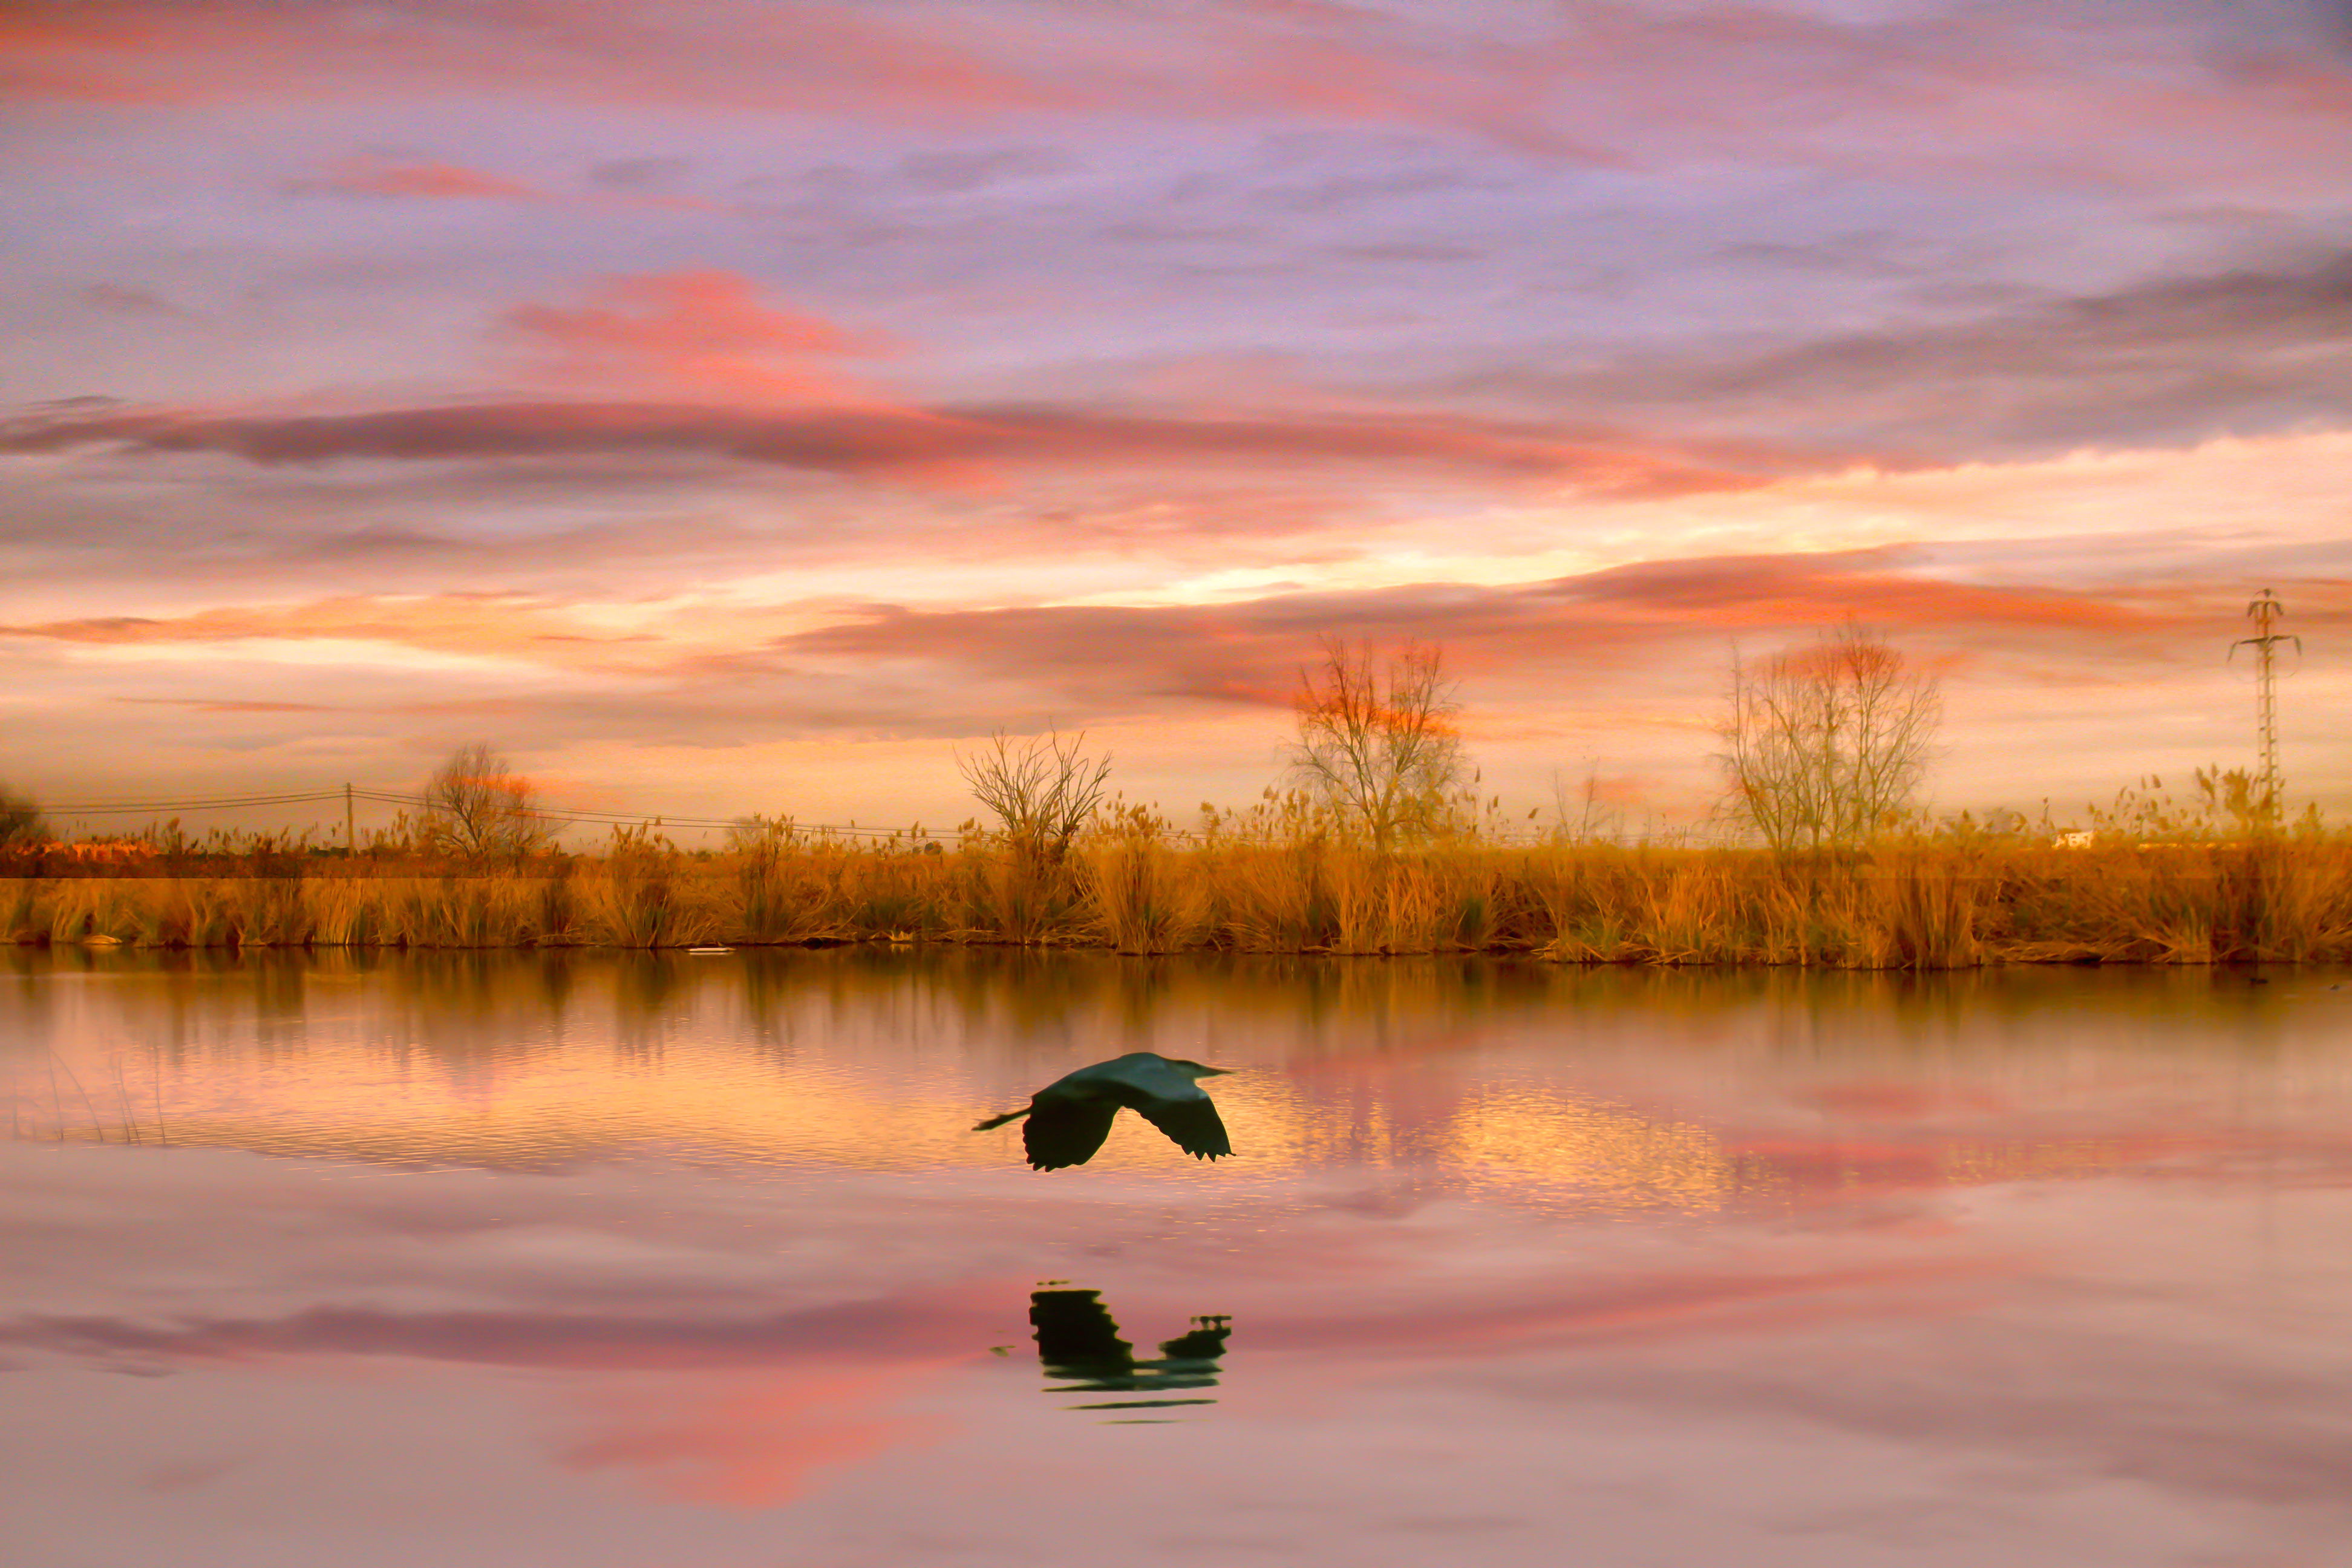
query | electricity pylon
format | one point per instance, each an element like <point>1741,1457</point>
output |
<point>2264,612</point>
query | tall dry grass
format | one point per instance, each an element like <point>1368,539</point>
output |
<point>1941,902</point>
<point>1140,889</point>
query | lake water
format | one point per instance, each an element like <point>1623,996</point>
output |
<point>618,1259</point>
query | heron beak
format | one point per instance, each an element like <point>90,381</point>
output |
<point>1216,1072</point>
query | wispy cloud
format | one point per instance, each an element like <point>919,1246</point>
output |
<point>484,624</point>
<point>702,673</point>
<point>2246,350</point>
<point>427,179</point>
<point>1600,74</point>
<point>951,62</point>
<point>904,442</point>
<point>123,300</point>
<point>1104,660</point>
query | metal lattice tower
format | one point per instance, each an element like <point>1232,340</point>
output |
<point>2264,612</point>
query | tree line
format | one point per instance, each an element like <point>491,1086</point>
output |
<point>1823,745</point>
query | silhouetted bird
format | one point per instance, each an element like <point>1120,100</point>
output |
<point>1070,1117</point>
<point>1078,1341</point>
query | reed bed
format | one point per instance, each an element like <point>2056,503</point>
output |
<point>1924,903</point>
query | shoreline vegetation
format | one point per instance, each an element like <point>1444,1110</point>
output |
<point>1382,846</point>
<point>1953,899</point>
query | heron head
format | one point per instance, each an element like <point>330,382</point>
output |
<point>1196,1069</point>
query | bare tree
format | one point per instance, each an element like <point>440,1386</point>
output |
<point>477,805</point>
<point>1827,744</point>
<point>20,820</point>
<point>1041,791</point>
<point>1376,745</point>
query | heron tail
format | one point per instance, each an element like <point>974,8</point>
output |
<point>1000,1121</point>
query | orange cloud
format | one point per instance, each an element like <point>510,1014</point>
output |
<point>480,624</point>
<point>229,705</point>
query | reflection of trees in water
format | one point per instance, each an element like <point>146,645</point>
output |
<point>768,994</point>
<point>1027,1008</point>
<point>646,990</point>
<point>1031,1010</point>
<point>1604,1079</point>
<point>1036,1006</point>
<point>1078,1341</point>
<point>473,1015</point>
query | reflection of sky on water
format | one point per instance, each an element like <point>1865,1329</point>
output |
<point>643,1260</point>
<point>1607,1089</point>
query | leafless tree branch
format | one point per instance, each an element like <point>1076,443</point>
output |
<point>1378,744</point>
<point>477,806</point>
<point>1041,791</point>
<point>1827,744</point>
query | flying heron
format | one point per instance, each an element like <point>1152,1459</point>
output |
<point>1070,1117</point>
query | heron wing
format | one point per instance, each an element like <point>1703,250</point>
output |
<point>1066,1132</point>
<point>1193,1124</point>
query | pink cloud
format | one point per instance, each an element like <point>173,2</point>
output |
<point>1123,658</point>
<point>762,671</point>
<point>83,54</point>
<point>1612,84</point>
<point>833,59</point>
<point>707,338</point>
<point>128,301</point>
<point>366,177</point>
<point>701,334</point>
<point>1796,590</point>
<point>1248,651</point>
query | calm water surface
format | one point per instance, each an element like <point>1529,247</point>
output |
<point>590,1259</point>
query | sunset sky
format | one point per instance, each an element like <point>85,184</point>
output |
<point>732,406</point>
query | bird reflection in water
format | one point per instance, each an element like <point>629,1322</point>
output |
<point>1078,1341</point>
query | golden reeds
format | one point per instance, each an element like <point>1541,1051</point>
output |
<point>1134,887</point>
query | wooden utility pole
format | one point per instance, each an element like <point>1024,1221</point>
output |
<point>350,825</point>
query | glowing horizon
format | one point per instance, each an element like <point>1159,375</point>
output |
<point>737,407</point>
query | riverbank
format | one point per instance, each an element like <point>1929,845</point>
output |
<point>1920,904</point>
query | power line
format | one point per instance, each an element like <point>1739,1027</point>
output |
<point>583,818</point>
<point>223,802</point>
<point>419,803</point>
<point>626,818</point>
